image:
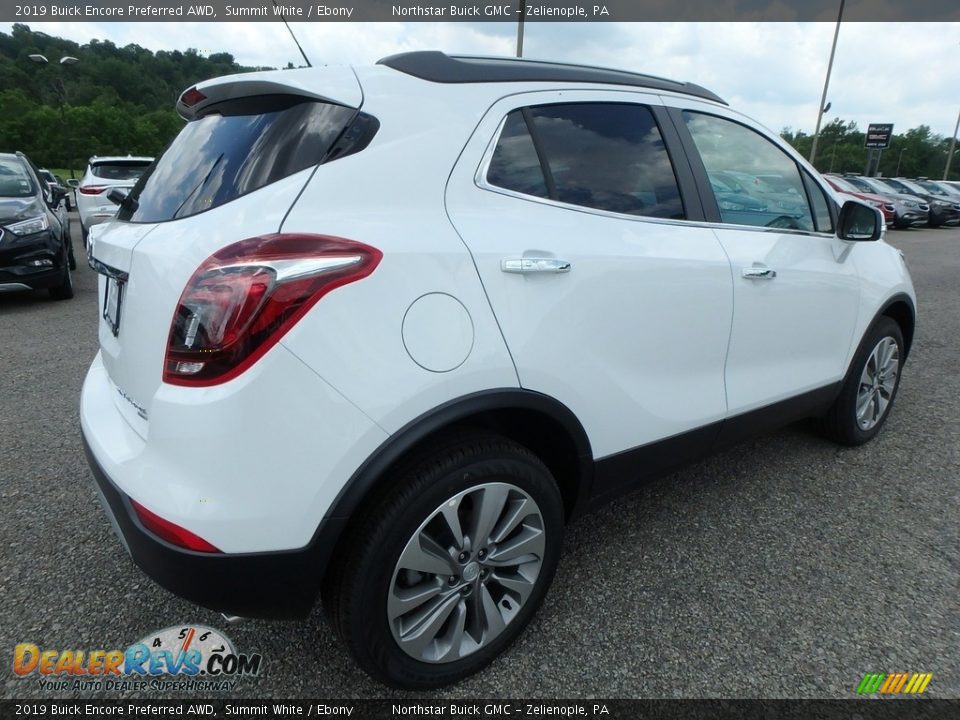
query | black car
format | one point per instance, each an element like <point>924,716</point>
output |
<point>35,248</point>
<point>943,210</point>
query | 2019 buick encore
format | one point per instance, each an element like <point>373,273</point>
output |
<point>378,333</point>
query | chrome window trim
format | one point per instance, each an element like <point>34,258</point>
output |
<point>480,180</point>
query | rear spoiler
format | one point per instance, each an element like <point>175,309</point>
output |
<point>337,85</point>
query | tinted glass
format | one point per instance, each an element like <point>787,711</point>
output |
<point>119,171</point>
<point>515,165</point>
<point>881,186</point>
<point>759,183</point>
<point>913,187</point>
<point>821,204</point>
<point>609,157</point>
<point>14,179</point>
<point>237,147</point>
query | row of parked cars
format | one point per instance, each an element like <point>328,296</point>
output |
<point>35,248</point>
<point>905,203</point>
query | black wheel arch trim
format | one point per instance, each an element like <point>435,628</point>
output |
<point>908,332</point>
<point>400,443</point>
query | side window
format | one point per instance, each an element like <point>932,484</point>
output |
<point>515,164</point>
<point>754,181</point>
<point>821,204</point>
<point>607,156</point>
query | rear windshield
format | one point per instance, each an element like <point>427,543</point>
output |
<point>238,146</point>
<point>128,170</point>
<point>14,179</point>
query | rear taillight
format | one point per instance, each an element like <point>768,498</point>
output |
<point>245,297</point>
<point>92,189</point>
<point>172,533</point>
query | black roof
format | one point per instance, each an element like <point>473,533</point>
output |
<point>439,67</point>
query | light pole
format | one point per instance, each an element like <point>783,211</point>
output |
<point>523,11</point>
<point>61,89</point>
<point>822,107</point>
<point>899,158</point>
<point>64,61</point>
<point>953,145</point>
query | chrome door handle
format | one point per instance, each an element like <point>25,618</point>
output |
<point>759,273</point>
<point>534,265</point>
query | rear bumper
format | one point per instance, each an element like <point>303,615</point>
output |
<point>259,585</point>
<point>207,461</point>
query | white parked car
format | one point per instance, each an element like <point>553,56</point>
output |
<point>102,175</point>
<point>379,333</point>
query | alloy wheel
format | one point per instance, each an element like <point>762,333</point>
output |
<point>877,383</point>
<point>466,572</point>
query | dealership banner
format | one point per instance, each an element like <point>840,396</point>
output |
<point>480,11</point>
<point>445,708</point>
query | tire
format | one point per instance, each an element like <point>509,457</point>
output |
<point>864,390</point>
<point>68,241</point>
<point>367,590</point>
<point>64,291</point>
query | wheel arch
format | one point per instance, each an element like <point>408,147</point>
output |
<point>901,310</point>
<point>542,424</point>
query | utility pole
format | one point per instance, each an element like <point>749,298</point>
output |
<point>826,86</point>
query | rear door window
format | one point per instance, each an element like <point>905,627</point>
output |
<point>607,156</point>
<point>236,147</point>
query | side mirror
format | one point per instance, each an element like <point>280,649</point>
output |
<point>859,222</point>
<point>117,196</point>
<point>74,183</point>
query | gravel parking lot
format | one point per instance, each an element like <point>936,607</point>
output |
<point>787,567</point>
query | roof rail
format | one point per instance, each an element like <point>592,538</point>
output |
<point>439,67</point>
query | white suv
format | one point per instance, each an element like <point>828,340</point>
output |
<point>103,174</point>
<point>381,332</point>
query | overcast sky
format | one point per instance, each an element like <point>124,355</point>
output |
<point>907,74</point>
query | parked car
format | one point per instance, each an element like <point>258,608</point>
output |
<point>883,203</point>
<point>943,210</point>
<point>35,248</point>
<point>52,182</point>
<point>942,190</point>
<point>910,210</point>
<point>102,175</point>
<point>381,332</point>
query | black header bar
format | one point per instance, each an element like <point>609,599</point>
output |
<point>932,11</point>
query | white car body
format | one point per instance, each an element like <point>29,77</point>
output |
<point>654,334</point>
<point>91,194</point>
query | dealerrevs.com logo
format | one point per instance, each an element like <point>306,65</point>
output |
<point>191,657</point>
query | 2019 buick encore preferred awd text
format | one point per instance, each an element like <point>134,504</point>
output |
<point>377,334</point>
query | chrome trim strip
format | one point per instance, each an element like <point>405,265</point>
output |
<point>294,269</point>
<point>104,269</point>
<point>14,287</point>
